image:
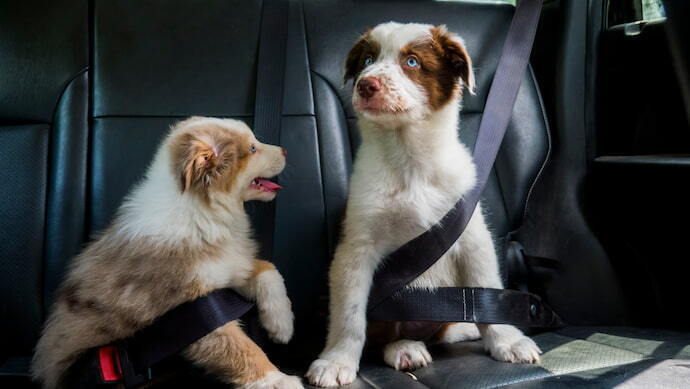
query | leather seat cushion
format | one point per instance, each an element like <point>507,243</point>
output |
<point>574,356</point>
<point>579,357</point>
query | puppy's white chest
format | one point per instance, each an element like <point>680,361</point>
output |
<point>422,204</point>
<point>223,272</point>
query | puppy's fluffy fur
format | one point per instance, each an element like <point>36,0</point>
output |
<point>181,233</point>
<point>409,171</point>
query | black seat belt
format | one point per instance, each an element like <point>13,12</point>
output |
<point>130,360</point>
<point>175,330</point>
<point>389,299</point>
<point>268,106</point>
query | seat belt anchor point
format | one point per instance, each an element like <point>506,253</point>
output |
<point>130,377</point>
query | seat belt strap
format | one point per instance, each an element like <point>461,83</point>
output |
<point>268,103</point>
<point>471,305</point>
<point>270,71</point>
<point>416,256</point>
<point>130,361</point>
<point>184,325</point>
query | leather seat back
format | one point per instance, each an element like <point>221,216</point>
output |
<point>43,103</point>
<point>155,63</point>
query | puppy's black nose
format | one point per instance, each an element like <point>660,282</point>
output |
<point>368,87</point>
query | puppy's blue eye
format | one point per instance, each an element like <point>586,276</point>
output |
<point>252,149</point>
<point>368,61</point>
<point>412,62</point>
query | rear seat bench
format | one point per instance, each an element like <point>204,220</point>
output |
<point>83,107</point>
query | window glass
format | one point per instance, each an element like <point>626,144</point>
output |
<point>652,10</point>
<point>621,12</point>
<point>486,1</point>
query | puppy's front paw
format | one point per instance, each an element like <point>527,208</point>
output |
<point>406,355</point>
<point>522,350</point>
<point>275,380</point>
<point>275,308</point>
<point>279,322</point>
<point>459,332</point>
<point>325,373</point>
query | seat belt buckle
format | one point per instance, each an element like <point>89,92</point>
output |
<point>518,273</point>
<point>131,378</point>
<point>109,365</point>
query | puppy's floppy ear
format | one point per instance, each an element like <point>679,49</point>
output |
<point>355,58</point>
<point>198,159</point>
<point>455,53</point>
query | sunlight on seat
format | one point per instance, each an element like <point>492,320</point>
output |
<point>668,374</point>
<point>573,355</point>
<point>646,347</point>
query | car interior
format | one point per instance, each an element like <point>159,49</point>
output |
<point>592,174</point>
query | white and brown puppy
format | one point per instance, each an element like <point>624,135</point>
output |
<point>181,233</point>
<point>409,171</point>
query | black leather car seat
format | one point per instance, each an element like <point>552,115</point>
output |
<point>43,135</point>
<point>87,89</point>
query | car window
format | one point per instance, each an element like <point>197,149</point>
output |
<point>486,1</point>
<point>623,12</point>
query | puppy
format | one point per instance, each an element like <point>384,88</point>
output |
<point>180,234</point>
<point>409,171</point>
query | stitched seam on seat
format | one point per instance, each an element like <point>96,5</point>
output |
<point>342,107</point>
<point>337,95</point>
<point>316,132</point>
<point>503,198</point>
<point>49,193</point>
<point>549,145</point>
<point>64,89</point>
<point>331,244</point>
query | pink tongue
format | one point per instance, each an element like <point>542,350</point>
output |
<point>268,184</point>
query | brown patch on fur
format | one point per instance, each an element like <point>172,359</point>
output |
<point>455,54</point>
<point>69,293</point>
<point>208,158</point>
<point>380,333</point>
<point>261,266</point>
<point>442,61</point>
<point>441,333</point>
<point>228,353</point>
<point>365,47</point>
<point>78,302</point>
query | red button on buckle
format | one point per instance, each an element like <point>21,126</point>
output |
<point>109,363</point>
